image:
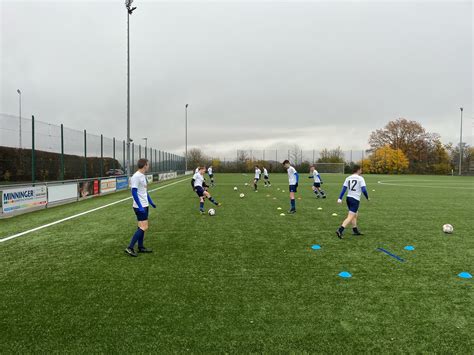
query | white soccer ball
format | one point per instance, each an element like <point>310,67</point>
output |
<point>246,184</point>
<point>242,195</point>
<point>211,212</point>
<point>235,188</point>
<point>447,228</point>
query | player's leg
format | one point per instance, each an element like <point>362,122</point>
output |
<point>143,226</point>
<point>321,192</point>
<point>315,190</point>
<point>141,216</point>
<point>255,181</point>
<point>355,230</point>
<point>344,224</point>
<point>209,197</point>
<point>292,199</point>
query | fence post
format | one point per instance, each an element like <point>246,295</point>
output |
<point>113,152</point>
<point>133,157</point>
<point>85,154</point>
<point>123,148</point>
<point>101,155</point>
<point>62,152</point>
<point>33,153</point>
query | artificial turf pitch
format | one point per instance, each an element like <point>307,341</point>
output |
<point>247,279</point>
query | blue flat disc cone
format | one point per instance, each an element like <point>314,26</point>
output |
<point>409,247</point>
<point>465,275</point>
<point>345,274</point>
<point>316,247</point>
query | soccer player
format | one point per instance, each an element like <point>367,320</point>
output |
<point>141,201</point>
<point>211,175</point>
<point>266,179</point>
<point>257,177</point>
<point>356,186</point>
<point>313,174</point>
<point>199,186</point>
<point>293,181</point>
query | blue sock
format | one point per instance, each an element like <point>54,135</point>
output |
<point>141,238</point>
<point>293,204</point>
<point>135,238</point>
<point>201,206</point>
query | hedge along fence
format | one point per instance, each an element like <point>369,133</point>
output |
<point>41,151</point>
<point>16,166</point>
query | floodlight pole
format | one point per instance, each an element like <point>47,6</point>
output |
<point>460,145</point>
<point>146,146</point>
<point>186,136</point>
<point>128,4</point>
<point>19,116</point>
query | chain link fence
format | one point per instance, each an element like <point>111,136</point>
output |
<point>31,150</point>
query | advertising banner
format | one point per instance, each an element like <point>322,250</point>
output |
<point>167,176</point>
<point>88,188</point>
<point>62,192</point>
<point>149,178</point>
<point>108,185</point>
<point>122,183</point>
<point>24,198</point>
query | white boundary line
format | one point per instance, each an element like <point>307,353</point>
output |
<point>81,214</point>
<point>426,186</point>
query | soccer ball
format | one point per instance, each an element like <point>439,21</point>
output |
<point>212,212</point>
<point>246,184</point>
<point>242,195</point>
<point>235,188</point>
<point>447,228</point>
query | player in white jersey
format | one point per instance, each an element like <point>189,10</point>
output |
<point>199,186</point>
<point>355,185</point>
<point>141,201</point>
<point>266,178</point>
<point>313,174</point>
<point>211,175</point>
<point>293,182</point>
<point>257,177</point>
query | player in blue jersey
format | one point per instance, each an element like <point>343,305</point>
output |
<point>355,187</point>
<point>313,174</point>
<point>293,182</point>
<point>199,186</point>
<point>141,201</point>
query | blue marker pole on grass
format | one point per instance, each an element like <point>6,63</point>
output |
<point>390,254</point>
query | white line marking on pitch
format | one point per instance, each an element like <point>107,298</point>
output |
<point>426,186</point>
<point>81,214</point>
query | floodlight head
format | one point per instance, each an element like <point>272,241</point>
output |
<point>187,105</point>
<point>18,91</point>
<point>462,109</point>
<point>128,3</point>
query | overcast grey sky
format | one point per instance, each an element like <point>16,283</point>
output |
<point>256,74</point>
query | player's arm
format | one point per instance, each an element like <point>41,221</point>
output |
<point>192,183</point>
<point>320,180</point>
<point>364,191</point>
<point>136,199</point>
<point>343,191</point>
<point>150,201</point>
<point>297,177</point>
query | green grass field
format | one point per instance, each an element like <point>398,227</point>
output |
<point>246,280</point>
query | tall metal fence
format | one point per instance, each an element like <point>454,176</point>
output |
<point>31,150</point>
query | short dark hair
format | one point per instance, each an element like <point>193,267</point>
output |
<point>141,163</point>
<point>286,162</point>
<point>355,168</point>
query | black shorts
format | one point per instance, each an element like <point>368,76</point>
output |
<point>352,204</point>
<point>317,184</point>
<point>141,216</point>
<point>211,175</point>
<point>199,190</point>
<point>293,188</point>
<point>265,177</point>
